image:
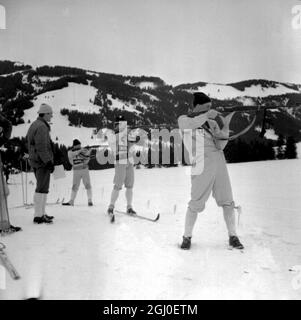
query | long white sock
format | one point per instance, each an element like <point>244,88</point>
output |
<point>129,197</point>
<point>114,197</point>
<point>229,216</point>
<point>89,194</point>
<point>38,204</point>
<point>44,202</point>
<point>73,196</point>
<point>190,220</point>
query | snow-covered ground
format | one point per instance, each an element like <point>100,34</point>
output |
<point>83,256</point>
<point>146,85</point>
<point>223,91</point>
<point>45,79</point>
<point>119,104</point>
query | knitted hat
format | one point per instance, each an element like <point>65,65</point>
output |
<point>45,108</point>
<point>200,98</point>
<point>76,143</point>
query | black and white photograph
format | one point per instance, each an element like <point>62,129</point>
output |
<point>150,150</point>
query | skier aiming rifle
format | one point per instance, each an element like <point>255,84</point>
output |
<point>124,167</point>
<point>5,133</point>
<point>209,170</point>
<point>79,158</point>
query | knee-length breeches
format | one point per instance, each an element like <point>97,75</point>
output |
<point>78,175</point>
<point>215,179</point>
<point>124,175</point>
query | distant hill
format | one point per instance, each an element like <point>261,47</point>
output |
<point>86,100</point>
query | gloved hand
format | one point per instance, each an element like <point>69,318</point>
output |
<point>50,166</point>
<point>212,114</point>
<point>85,153</point>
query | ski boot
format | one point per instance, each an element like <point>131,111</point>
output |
<point>186,244</point>
<point>14,229</point>
<point>130,211</point>
<point>43,219</point>
<point>110,212</point>
<point>90,203</point>
<point>235,243</point>
<point>69,203</point>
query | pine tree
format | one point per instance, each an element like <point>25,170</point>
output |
<point>280,147</point>
<point>291,148</point>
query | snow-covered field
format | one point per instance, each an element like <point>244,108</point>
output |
<point>83,256</point>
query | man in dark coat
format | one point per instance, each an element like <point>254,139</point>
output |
<point>41,159</point>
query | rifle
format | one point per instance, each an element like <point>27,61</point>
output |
<point>257,109</point>
<point>254,108</point>
<point>249,108</point>
<point>96,146</point>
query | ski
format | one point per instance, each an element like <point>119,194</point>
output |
<point>139,216</point>
<point>47,204</point>
<point>30,205</point>
<point>7,264</point>
<point>25,205</point>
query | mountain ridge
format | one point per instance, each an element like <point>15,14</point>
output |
<point>141,99</point>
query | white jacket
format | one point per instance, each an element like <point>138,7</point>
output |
<point>197,140</point>
<point>79,158</point>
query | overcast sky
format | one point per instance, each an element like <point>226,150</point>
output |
<point>178,40</point>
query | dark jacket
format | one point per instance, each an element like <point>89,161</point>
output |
<point>40,146</point>
<point>6,129</point>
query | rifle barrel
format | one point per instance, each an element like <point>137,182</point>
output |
<point>253,108</point>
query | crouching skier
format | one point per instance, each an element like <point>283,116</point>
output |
<point>79,158</point>
<point>209,169</point>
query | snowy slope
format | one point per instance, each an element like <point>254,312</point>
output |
<point>74,97</point>
<point>121,105</point>
<point>83,256</point>
<point>146,85</point>
<point>223,91</point>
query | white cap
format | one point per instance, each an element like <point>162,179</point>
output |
<point>45,108</point>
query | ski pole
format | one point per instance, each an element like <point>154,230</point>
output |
<point>7,264</point>
<point>26,180</point>
<point>22,181</point>
<point>4,206</point>
<point>3,222</point>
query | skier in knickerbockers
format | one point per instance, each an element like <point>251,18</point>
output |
<point>209,170</point>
